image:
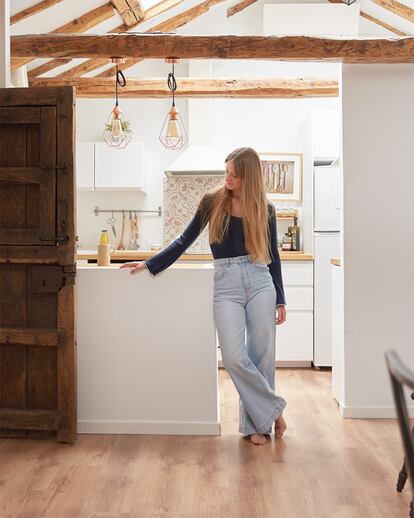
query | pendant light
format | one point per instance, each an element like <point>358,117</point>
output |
<point>173,134</point>
<point>117,132</point>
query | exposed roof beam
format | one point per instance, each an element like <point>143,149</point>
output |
<point>81,24</point>
<point>131,11</point>
<point>239,7</point>
<point>167,26</point>
<point>382,24</point>
<point>93,64</point>
<point>397,8</point>
<point>83,68</point>
<point>153,11</point>
<point>159,46</point>
<point>46,67</point>
<point>215,87</point>
<point>30,11</point>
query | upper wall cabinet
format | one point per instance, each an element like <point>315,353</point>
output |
<point>85,165</point>
<point>326,133</point>
<point>99,166</point>
<point>119,168</point>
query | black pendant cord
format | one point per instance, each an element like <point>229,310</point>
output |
<point>120,80</point>
<point>172,84</point>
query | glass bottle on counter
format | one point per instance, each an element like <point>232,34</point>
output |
<point>104,239</point>
<point>294,231</point>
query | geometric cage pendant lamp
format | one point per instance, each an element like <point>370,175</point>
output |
<point>173,134</point>
<point>117,132</point>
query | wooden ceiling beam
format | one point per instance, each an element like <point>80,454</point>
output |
<point>168,25</point>
<point>397,8</point>
<point>382,24</point>
<point>153,11</point>
<point>131,11</point>
<point>46,67</point>
<point>34,9</point>
<point>201,88</point>
<point>81,24</point>
<point>159,46</point>
<point>93,64</point>
<point>239,7</point>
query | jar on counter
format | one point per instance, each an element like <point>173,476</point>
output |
<point>287,242</point>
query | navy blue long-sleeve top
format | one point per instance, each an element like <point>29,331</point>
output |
<point>233,245</point>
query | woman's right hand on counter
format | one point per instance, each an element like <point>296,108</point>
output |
<point>135,267</point>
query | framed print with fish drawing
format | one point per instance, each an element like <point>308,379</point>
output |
<point>283,175</point>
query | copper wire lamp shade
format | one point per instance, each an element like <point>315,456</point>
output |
<point>173,134</point>
<point>117,132</point>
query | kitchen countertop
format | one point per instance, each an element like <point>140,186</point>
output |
<point>179,266</point>
<point>137,255</point>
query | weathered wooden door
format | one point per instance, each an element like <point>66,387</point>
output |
<point>37,263</point>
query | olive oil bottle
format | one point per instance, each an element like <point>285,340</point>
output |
<point>294,231</point>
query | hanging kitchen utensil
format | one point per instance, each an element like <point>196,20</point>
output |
<point>136,224</point>
<point>134,243</point>
<point>131,232</point>
<point>121,245</point>
<point>111,221</point>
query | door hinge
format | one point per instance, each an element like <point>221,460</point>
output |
<point>50,279</point>
<point>46,279</point>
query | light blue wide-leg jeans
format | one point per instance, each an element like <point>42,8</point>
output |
<point>244,308</point>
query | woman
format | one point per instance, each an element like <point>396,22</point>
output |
<point>248,287</point>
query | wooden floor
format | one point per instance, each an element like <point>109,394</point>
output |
<point>325,467</point>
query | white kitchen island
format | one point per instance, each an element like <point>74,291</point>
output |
<point>146,351</point>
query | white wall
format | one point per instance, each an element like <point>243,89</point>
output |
<point>378,230</point>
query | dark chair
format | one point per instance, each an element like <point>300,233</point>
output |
<point>402,476</point>
<point>400,375</point>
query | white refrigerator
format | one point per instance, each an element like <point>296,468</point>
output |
<point>326,245</point>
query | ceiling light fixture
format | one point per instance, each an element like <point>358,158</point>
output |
<point>117,132</point>
<point>173,134</point>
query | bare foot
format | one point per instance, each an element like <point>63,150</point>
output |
<point>258,439</point>
<point>280,426</point>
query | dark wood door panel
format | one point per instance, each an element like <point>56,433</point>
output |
<point>37,264</point>
<point>28,178</point>
<point>19,116</point>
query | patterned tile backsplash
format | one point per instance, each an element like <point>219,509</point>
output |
<point>182,195</point>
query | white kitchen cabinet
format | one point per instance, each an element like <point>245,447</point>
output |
<point>326,133</point>
<point>327,198</point>
<point>120,168</point>
<point>338,353</point>
<point>85,165</point>
<point>294,338</point>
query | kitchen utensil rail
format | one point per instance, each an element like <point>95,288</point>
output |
<point>97,210</point>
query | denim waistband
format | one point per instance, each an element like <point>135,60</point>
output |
<point>230,260</point>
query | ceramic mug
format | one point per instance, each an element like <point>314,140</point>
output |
<point>104,254</point>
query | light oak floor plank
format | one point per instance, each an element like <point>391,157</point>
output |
<point>325,467</point>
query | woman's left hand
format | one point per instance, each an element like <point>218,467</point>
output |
<point>281,315</point>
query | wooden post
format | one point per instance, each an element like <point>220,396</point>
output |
<point>4,43</point>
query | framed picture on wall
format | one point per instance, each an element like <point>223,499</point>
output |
<point>283,175</point>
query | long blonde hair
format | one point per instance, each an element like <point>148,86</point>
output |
<point>216,206</point>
